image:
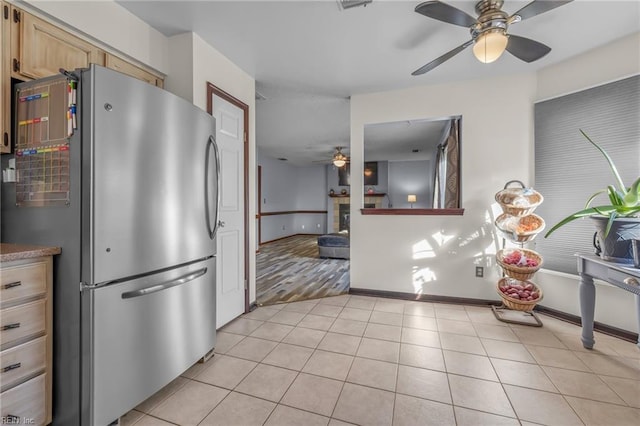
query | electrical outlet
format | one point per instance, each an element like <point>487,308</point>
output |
<point>318,225</point>
<point>479,271</point>
<point>302,226</point>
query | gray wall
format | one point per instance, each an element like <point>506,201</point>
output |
<point>410,177</point>
<point>286,187</point>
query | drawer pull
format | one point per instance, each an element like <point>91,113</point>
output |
<point>165,285</point>
<point>10,326</point>
<point>11,367</point>
<point>13,284</point>
<point>631,281</point>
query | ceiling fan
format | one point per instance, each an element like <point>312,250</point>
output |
<point>339,159</point>
<point>489,31</point>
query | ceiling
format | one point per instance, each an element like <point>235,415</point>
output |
<point>308,57</point>
<point>407,140</point>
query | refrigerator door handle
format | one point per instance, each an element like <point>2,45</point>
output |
<point>212,231</point>
<point>165,285</point>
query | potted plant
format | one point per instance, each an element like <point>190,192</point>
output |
<point>616,223</point>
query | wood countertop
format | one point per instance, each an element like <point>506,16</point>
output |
<point>9,252</point>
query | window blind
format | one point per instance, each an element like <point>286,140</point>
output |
<point>568,169</point>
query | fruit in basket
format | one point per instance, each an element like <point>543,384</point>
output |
<point>518,258</point>
<point>520,290</point>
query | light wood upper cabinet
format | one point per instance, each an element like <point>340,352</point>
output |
<point>125,67</point>
<point>45,48</point>
<point>5,79</point>
<point>34,48</point>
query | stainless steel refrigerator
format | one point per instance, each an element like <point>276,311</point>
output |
<point>131,196</point>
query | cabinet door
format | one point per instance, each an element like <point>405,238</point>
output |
<point>5,80</point>
<point>125,67</point>
<point>45,48</point>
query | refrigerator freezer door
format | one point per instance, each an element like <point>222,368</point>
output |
<point>144,333</point>
<point>150,162</point>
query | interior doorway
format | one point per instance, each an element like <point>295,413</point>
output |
<point>232,266</point>
<point>291,269</point>
<point>289,264</point>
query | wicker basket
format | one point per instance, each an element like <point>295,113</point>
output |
<point>521,273</point>
<point>524,236</point>
<point>507,196</point>
<point>517,304</point>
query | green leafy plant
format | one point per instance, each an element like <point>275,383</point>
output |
<point>625,200</point>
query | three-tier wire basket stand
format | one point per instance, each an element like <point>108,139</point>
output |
<point>518,225</point>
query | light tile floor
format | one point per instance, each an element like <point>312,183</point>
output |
<point>373,361</point>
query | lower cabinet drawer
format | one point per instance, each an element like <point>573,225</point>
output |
<point>18,282</point>
<point>22,361</point>
<point>22,321</point>
<point>25,404</point>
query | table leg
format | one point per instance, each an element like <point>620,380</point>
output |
<point>638,313</point>
<point>587,309</point>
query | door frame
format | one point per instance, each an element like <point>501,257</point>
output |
<point>214,90</point>
<point>259,215</point>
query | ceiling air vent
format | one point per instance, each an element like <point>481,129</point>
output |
<point>348,4</point>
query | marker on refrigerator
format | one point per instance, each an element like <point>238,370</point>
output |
<point>73,116</point>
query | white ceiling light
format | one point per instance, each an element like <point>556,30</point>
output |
<point>490,45</point>
<point>339,159</point>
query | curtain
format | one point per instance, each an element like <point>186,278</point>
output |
<point>439,171</point>
<point>568,169</point>
<point>446,180</point>
<point>452,182</point>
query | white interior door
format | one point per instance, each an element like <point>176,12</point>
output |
<point>230,278</point>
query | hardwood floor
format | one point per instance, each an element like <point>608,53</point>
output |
<point>289,270</point>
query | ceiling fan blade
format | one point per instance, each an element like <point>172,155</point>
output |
<point>444,12</point>
<point>431,65</point>
<point>539,6</point>
<point>526,49</point>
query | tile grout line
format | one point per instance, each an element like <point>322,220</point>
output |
<point>395,389</point>
<point>245,376</point>
<point>305,364</point>
<point>314,350</point>
<point>220,387</point>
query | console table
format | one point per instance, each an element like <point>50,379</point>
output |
<point>619,275</point>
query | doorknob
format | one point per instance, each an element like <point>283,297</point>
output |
<point>221,223</point>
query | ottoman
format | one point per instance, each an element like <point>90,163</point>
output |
<point>334,246</point>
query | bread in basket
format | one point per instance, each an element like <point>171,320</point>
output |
<point>520,229</point>
<point>519,201</point>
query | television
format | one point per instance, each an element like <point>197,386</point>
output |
<point>370,174</point>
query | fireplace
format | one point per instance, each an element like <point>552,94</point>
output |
<point>342,204</point>
<point>343,217</point>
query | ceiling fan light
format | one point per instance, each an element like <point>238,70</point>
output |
<point>490,46</point>
<point>339,162</point>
